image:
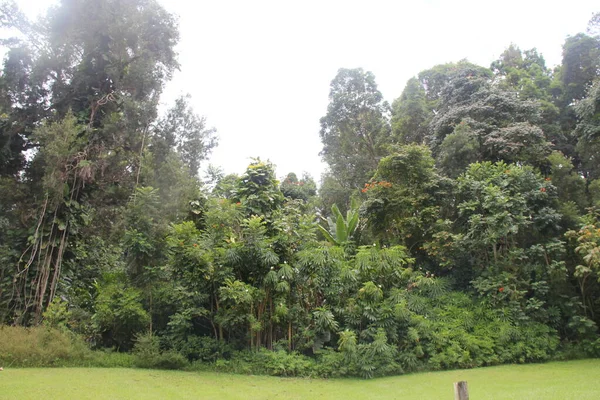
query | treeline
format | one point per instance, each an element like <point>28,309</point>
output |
<point>457,227</point>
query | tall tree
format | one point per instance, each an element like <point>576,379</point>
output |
<point>186,131</point>
<point>83,85</point>
<point>435,79</point>
<point>502,124</point>
<point>587,130</point>
<point>411,113</point>
<point>580,65</point>
<point>355,129</point>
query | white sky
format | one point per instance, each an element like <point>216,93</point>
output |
<point>260,70</point>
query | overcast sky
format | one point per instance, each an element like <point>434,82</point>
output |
<point>260,70</point>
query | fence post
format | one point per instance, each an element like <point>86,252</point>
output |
<point>461,392</point>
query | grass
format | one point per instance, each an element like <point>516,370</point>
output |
<point>558,380</point>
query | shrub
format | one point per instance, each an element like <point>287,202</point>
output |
<point>267,362</point>
<point>204,348</point>
<point>147,354</point>
<point>40,347</point>
<point>110,359</point>
<point>119,314</point>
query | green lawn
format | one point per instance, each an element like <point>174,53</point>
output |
<point>561,380</point>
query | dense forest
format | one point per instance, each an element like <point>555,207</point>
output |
<point>457,227</point>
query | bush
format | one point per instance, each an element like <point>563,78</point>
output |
<point>204,348</point>
<point>332,364</point>
<point>40,347</point>
<point>267,362</point>
<point>119,314</point>
<point>147,354</point>
<point>110,359</point>
<point>463,333</point>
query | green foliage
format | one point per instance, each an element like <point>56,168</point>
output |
<point>458,150</point>
<point>499,206</point>
<point>569,184</point>
<point>258,190</point>
<point>402,202</point>
<point>502,123</point>
<point>277,363</point>
<point>411,114</point>
<point>341,230</point>
<point>355,128</point>
<point>182,129</point>
<point>581,60</point>
<point>40,347</point>
<point>524,72</point>
<point>147,354</point>
<point>445,242</point>
<point>588,248</point>
<point>303,189</point>
<point>119,314</point>
<point>57,314</point>
<point>204,348</point>
<point>587,130</point>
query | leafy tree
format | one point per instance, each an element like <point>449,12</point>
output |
<point>587,130</point>
<point>435,79</point>
<point>119,314</point>
<point>571,188</point>
<point>579,68</point>
<point>458,150</point>
<point>185,131</point>
<point>333,192</point>
<point>594,25</point>
<point>258,190</point>
<point>401,205</point>
<point>503,124</point>
<point>524,72</point>
<point>588,248</point>
<point>355,129</point>
<point>296,189</point>
<point>411,114</point>
<point>226,186</point>
<point>505,233</point>
<point>91,73</point>
<point>580,64</point>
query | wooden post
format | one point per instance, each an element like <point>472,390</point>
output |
<point>461,392</point>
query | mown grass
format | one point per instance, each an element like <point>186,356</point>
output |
<point>558,380</point>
